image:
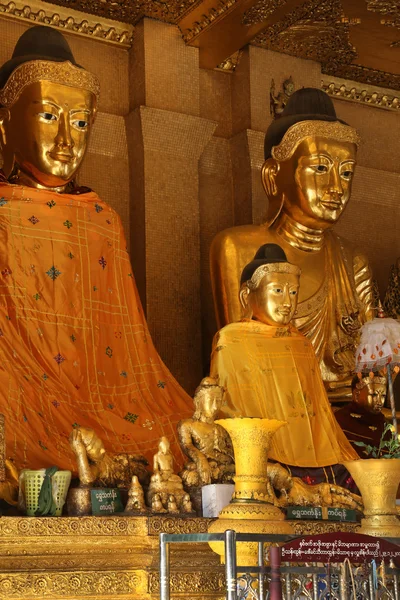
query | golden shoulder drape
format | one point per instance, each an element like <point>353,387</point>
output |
<point>273,373</point>
<point>74,344</point>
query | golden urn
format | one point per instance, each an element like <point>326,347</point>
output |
<point>378,480</point>
<point>252,508</point>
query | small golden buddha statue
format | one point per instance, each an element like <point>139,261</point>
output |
<point>206,444</point>
<point>164,482</point>
<point>310,157</point>
<point>362,420</point>
<point>136,501</point>
<point>77,356</point>
<point>269,370</point>
<point>98,468</point>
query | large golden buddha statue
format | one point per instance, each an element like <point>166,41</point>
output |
<point>310,157</point>
<point>74,345</point>
<point>269,369</point>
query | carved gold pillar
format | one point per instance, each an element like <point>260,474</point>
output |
<point>166,137</point>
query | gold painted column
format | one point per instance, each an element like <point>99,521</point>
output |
<point>166,136</point>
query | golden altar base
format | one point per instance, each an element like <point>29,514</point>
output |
<point>111,558</point>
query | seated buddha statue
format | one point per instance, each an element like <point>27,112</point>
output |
<point>206,444</point>
<point>269,370</point>
<point>362,419</point>
<point>75,349</point>
<point>310,157</point>
<point>164,483</point>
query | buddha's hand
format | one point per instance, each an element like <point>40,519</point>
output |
<point>204,470</point>
<point>76,442</point>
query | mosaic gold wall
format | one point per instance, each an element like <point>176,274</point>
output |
<point>177,151</point>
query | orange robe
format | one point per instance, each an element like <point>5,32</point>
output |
<point>74,344</point>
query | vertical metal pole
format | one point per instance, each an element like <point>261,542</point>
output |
<point>372,594</point>
<point>275,588</point>
<point>391,396</point>
<point>230,564</point>
<point>261,591</point>
<point>164,568</point>
<point>315,584</point>
<point>396,586</point>
<point>288,584</point>
<point>343,582</point>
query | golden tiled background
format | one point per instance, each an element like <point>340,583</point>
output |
<point>177,150</point>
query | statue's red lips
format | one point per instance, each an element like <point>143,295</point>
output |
<point>331,204</point>
<point>60,156</point>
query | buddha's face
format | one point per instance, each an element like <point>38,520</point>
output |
<point>45,133</point>
<point>211,402</point>
<point>163,445</point>
<point>316,181</point>
<point>274,301</point>
<point>372,396</point>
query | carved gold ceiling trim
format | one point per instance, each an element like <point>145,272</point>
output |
<point>213,14</point>
<point>362,94</point>
<point>39,13</point>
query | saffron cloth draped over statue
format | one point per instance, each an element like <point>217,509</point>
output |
<point>74,344</point>
<point>272,372</point>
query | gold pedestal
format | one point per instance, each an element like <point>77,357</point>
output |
<point>109,558</point>
<point>103,558</point>
<point>251,509</point>
<point>378,480</point>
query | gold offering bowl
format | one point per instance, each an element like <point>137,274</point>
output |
<point>251,509</point>
<point>378,480</point>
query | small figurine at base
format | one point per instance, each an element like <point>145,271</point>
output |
<point>136,501</point>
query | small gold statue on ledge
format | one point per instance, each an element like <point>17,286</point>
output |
<point>164,483</point>
<point>293,491</point>
<point>98,468</point>
<point>207,444</point>
<point>136,501</point>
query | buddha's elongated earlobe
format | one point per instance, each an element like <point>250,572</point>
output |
<point>244,297</point>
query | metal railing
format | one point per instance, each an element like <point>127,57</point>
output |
<point>338,581</point>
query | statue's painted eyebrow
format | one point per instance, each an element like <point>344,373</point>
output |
<point>42,102</point>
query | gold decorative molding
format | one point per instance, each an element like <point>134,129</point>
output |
<point>370,96</point>
<point>316,30</point>
<point>320,527</point>
<point>75,584</point>
<point>191,583</point>
<point>157,525</point>
<point>131,12</point>
<point>261,11</point>
<point>71,526</point>
<point>365,75</point>
<point>40,14</point>
<point>212,15</point>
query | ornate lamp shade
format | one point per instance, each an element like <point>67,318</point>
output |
<point>379,348</point>
<point>379,345</point>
